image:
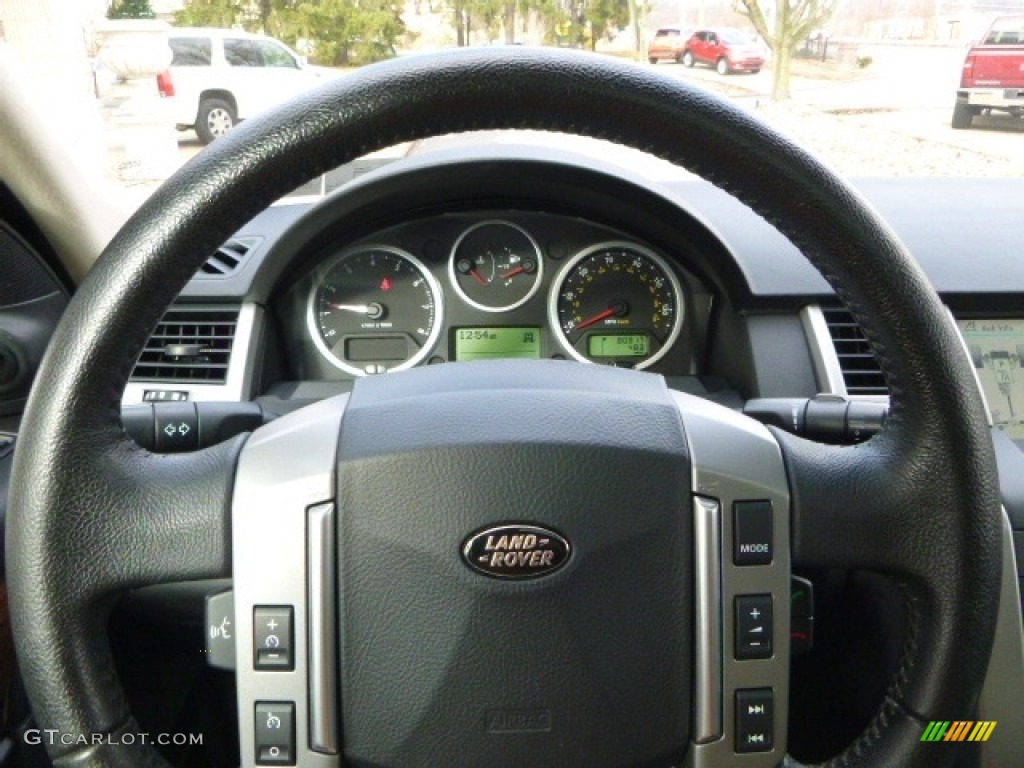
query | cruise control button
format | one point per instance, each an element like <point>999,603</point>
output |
<point>273,638</point>
<point>752,533</point>
<point>753,625</point>
<point>275,733</point>
<point>755,720</point>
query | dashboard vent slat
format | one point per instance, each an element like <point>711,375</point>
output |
<point>229,258</point>
<point>856,358</point>
<point>189,344</point>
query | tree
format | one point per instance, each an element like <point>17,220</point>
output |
<point>467,15</point>
<point>345,31</point>
<point>131,9</point>
<point>793,22</point>
<point>208,13</point>
<point>338,31</point>
<point>605,17</point>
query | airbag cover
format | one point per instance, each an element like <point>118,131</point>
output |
<point>587,664</point>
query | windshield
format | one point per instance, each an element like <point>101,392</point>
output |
<point>137,87</point>
<point>1006,31</point>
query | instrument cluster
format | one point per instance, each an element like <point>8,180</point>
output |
<point>459,287</point>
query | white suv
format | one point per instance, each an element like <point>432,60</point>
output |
<point>220,76</point>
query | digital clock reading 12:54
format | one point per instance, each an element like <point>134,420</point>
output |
<point>496,343</point>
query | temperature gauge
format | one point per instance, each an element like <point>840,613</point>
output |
<point>496,266</point>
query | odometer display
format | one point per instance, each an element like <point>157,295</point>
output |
<point>618,304</point>
<point>618,345</point>
<point>374,309</point>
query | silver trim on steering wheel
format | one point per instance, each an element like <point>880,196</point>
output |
<point>734,458</point>
<point>285,474</point>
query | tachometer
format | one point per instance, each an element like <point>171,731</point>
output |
<point>374,309</point>
<point>618,304</point>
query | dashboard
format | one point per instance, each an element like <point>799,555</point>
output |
<point>484,252</point>
<point>487,251</point>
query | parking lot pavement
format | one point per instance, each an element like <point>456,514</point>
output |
<point>906,94</point>
<point>905,77</point>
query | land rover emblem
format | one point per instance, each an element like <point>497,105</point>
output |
<point>515,551</point>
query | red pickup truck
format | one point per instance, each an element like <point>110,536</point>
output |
<point>993,75</point>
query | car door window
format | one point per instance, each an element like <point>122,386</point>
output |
<point>241,53</point>
<point>190,51</point>
<point>275,56</point>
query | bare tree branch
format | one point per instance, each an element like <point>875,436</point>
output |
<point>784,25</point>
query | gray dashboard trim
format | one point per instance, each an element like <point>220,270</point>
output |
<point>927,214</point>
<point>827,370</point>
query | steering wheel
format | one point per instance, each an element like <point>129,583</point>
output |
<point>623,656</point>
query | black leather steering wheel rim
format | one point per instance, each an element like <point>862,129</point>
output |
<point>91,514</point>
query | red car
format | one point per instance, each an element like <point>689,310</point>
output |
<point>993,74</point>
<point>727,50</point>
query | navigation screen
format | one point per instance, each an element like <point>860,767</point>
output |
<point>997,351</point>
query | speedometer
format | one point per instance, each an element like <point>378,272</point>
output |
<point>374,309</point>
<point>618,304</point>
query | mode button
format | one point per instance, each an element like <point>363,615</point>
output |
<point>752,533</point>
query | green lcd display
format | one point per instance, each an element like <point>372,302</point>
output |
<point>495,343</point>
<point>618,345</point>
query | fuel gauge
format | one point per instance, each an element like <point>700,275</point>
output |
<point>496,266</point>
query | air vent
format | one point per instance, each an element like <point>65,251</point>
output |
<point>229,257</point>
<point>856,358</point>
<point>189,344</point>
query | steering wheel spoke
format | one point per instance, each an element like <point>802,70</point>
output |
<point>853,509</point>
<point>139,519</point>
<point>884,506</point>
